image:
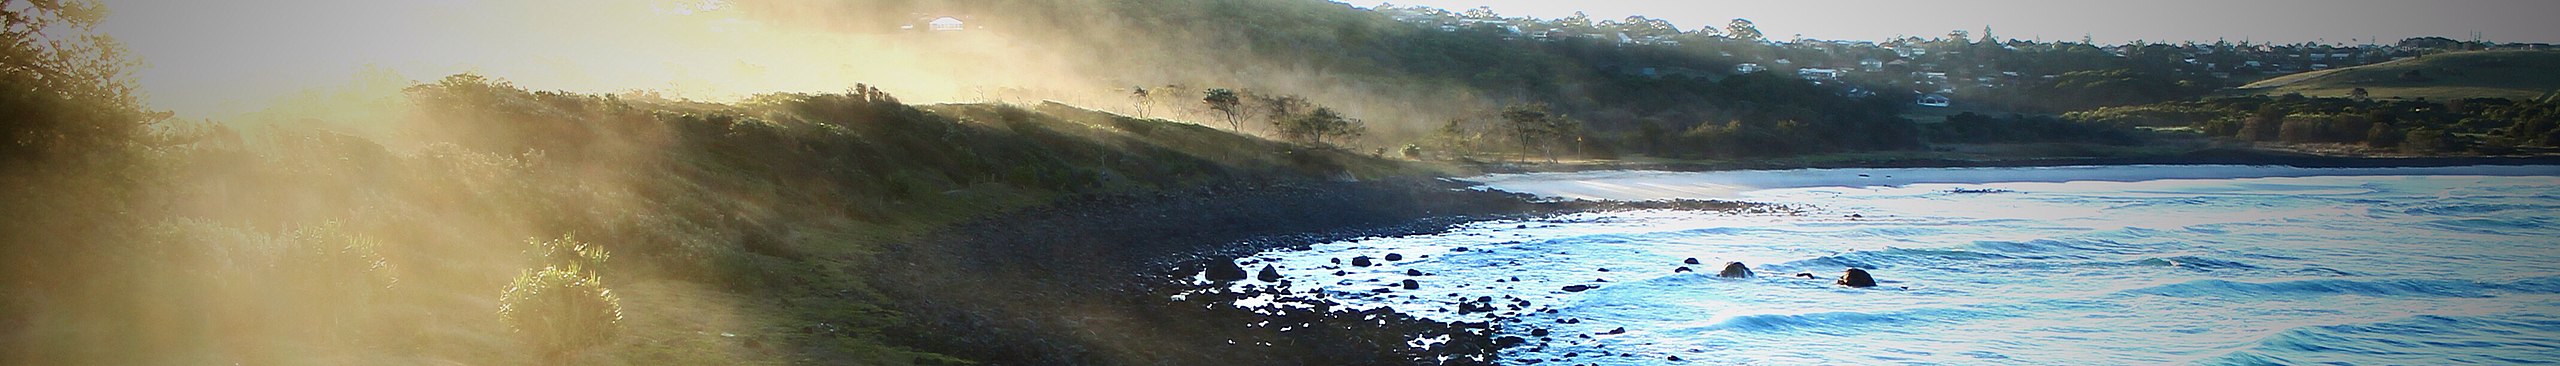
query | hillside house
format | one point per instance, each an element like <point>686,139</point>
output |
<point>946,24</point>
<point>1934,101</point>
<point>1817,74</point>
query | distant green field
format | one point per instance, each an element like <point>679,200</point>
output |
<point>2490,74</point>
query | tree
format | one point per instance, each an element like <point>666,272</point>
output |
<point>1640,26</point>
<point>1279,109</point>
<point>1457,138</point>
<point>1742,29</point>
<point>1527,123</point>
<point>1142,98</point>
<point>1321,125</point>
<point>1710,30</point>
<point>1579,22</point>
<point>1228,105</point>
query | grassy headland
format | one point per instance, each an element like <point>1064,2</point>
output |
<point>2520,75</point>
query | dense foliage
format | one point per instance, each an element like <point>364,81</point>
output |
<point>2472,125</point>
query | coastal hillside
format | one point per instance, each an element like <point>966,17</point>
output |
<point>2520,75</point>
<point>503,225</point>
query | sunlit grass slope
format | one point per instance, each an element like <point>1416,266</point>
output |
<point>2522,75</point>
<point>738,233</point>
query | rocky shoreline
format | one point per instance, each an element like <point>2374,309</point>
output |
<point>1091,280</point>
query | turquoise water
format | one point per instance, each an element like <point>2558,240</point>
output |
<point>2241,265</point>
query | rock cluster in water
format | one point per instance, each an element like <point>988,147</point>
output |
<point>1856,278</point>
<point>1735,270</point>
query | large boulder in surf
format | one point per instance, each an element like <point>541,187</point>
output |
<point>1269,274</point>
<point>1224,269</point>
<point>1856,278</point>
<point>1735,270</point>
<point>1360,261</point>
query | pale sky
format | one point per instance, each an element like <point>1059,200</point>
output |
<point>2279,21</point>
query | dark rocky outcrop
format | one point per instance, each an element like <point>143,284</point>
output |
<point>1269,274</point>
<point>1223,269</point>
<point>1856,278</point>
<point>1024,287</point>
<point>1735,270</point>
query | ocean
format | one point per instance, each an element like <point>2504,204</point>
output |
<point>2042,266</point>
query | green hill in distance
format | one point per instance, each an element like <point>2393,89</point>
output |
<point>2489,74</point>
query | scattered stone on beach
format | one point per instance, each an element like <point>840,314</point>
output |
<point>1391,257</point>
<point>1735,270</point>
<point>1620,330</point>
<point>1223,269</point>
<point>1681,270</point>
<point>1410,284</point>
<point>1540,332</point>
<point>1856,278</point>
<point>1412,272</point>
<point>1360,261</point>
<point>1578,288</point>
<point>1604,269</point>
<point>1269,274</point>
<point>1689,261</point>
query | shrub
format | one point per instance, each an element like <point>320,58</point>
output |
<point>563,306</point>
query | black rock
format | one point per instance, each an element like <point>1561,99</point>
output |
<point>1410,284</point>
<point>1856,278</point>
<point>1674,358</point>
<point>1604,269</point>
<point>1735,270</point>
<point>1540,332</point>
<point>1689,261</point>
<point>1619,330</point>
<point>1681,270</point>
<point>1391,257</point>
<point>1360,261</point>
<point>1223,269</point>
<point>1412,272</point>
<point>1269,274</point>
<point>1578,288</point>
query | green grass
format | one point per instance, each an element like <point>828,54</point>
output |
<point>2439,77</point>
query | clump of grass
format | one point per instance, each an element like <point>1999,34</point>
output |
<point>564,306</point>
